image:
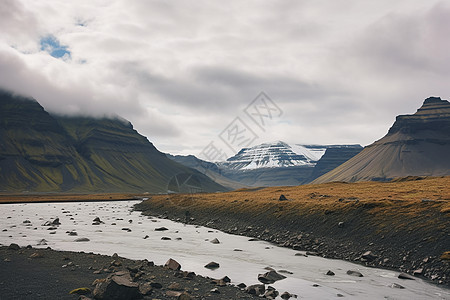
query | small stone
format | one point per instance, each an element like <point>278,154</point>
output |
<point>165,238</point>
<point>215,241</point>
<point>13,246</point>
<point>36,255</point>
<point>173,293</point>
<point>82,240</point>
<point>161,229</point>
<point>156,285</point>
<point>282,198</point>
<point>215,291</point>
<point>354,273</point>
<point>396,286</point>
<point>418,272</point>
<point>175,286</point>
<point>330,273</point>
<point>212,265</point>
<point>256,289</point>
<point>368,255</point>
<point>145,288</point>
<point>405,276</point>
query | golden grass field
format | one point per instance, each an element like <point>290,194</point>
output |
<point>409,197</point>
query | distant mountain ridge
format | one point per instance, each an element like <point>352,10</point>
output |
<point>40,152</point>
<point>274,164</point>
<point>415,145</point>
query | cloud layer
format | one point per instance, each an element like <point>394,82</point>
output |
<point>182,71</point>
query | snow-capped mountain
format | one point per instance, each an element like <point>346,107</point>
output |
<point>275,155</point>
<point>274,164</point>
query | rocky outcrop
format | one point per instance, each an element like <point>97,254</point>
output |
<point>416,145</point>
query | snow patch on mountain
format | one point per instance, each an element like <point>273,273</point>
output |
<point>275,155</point>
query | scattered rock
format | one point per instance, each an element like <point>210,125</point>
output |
<point>418,272</point>
<point>341,224</point>
<point>330,273</point>
<point>215,291</point>
<point>286,295</point>
<point>161,229</point>
<point>13,246</point>
<point>156,285</point>
<point>215,241</point>
<point>172,265</point>
<point>82,240</point>
<point>42,242</point>
<point>146,237</point>
<point>256,289</point>
<point>173,293</point>
<point>405,276</point>
<point>242,285</point>
<point>72,233</point>
<point>165,238</point>
<point>184,296</point>
<point>354,273</point>
<point>396,286</point>
<point>36,255</point>
<point>212,265</point>
<point>270,277</point>
<point>282,198</point>
<point>175,286</point>
<point>97,221</point>
<point>117,287</point>
<point>145,288</point>
<point>368,255</point>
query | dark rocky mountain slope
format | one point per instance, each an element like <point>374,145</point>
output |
<point>44,153</point>
<point>416,145</point>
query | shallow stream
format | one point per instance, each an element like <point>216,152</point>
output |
<point>124,231</point>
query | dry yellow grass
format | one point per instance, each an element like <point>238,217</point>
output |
<point>409,197</point>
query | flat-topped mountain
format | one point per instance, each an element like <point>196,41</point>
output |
<point>40,152</point>
<point>415,145</point>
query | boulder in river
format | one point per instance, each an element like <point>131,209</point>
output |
<point>215,241</point>
<point>212,265</point>
<point>270,277</point>
<point>405,276</point>
<point>161,229</point>
<point>354,273</point>
<point>82,240</point>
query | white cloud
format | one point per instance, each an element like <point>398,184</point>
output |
<point>181,71</point>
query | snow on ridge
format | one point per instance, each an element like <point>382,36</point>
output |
<point>275,155</point>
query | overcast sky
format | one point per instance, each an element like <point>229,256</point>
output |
<point>181,72</point>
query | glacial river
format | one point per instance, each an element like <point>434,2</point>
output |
<point>124,232</point>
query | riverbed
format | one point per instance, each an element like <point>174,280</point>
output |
<point>132,235</point>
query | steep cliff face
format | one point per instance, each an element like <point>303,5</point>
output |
<point>416,145</point>
<point>333,157</point>
<point>40,152</point>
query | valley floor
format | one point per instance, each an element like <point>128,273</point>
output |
<point>404,224</point>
